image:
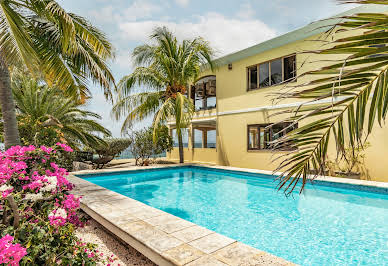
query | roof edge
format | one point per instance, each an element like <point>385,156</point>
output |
<point>309,30</point>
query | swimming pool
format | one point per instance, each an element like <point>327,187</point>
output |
<point>326,225</point>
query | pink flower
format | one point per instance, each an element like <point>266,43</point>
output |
<point>64,146</point>
<point>10,254</point>
<point>58,217</point>
<point>48,150</point>
<point>5,190</point>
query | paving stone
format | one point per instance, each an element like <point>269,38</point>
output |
<point>129,205</point>
<point>147,212</point>
<point>162,219</point>
<point>206,261</point>
<point>265,259</point>
<point>182,254</point>
<point>211,243</point>
<point>173,226</point>
<point>163,242</point>
<point>192,233</point>
<point>131,228</point>
<point>235,253</point>
<point>148,234</point>
<point>123,220</point>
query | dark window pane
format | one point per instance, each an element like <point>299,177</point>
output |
<point>253,137</point>
<point>289,67</point>
<point>252,77</point>
<point>262,138</point>
<point>276,72</point>
<point>267,138</point>
<point>277,131</point>
<point>264,75</point>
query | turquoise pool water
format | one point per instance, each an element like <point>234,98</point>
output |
<point>324,226</point>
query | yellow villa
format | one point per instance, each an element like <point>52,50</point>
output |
<point>234,104</point>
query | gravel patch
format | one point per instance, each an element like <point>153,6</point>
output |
<point>122,253</point>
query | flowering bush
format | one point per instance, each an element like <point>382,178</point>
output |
<point>10,253</point>
<point>38,215</point>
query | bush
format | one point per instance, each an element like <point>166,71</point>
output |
<point>108,150</point>
<point>144,146</point>
<point>38,215</point>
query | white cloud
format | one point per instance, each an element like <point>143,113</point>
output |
<point>182,2</point>
<point>104,15</point>
<point>137,10</point>
<point>225,34</point>
<point>141,9</point>
<point>123,60</point>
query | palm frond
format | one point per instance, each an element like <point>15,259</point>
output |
<point>352,97</point>
<point>37,103</point>
<point>164,71</point>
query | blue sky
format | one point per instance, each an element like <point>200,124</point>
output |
<point>229,25</point>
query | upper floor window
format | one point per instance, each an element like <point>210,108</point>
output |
<point>260,136</point>
<point>203,93</point>
<point>272,72</point>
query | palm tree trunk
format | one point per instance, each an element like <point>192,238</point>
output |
<point>180,142</point>
<point>11,132</point>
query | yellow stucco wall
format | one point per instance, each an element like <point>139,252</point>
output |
<point>232,95</point>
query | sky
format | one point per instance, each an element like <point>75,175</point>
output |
<point>229,26</point>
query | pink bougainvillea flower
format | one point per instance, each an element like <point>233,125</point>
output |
<point>10,254</point>
<point>64,146</point>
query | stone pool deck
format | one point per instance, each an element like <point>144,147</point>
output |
<point>163,238</point>
<point>169,240</point>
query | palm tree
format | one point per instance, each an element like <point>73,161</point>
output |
<point>63,48</point>
<point>352,95</point>
<point>165,68</point>
<point>46,116</point>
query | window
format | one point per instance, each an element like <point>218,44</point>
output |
<point>185,138</point>
<point>211,139</point>
<point>198,138</point>
<point>203,93</point>
<point>252,77</point>
<point>260,136</point>
<point>276,72</point>
<point>211,102</point>
<point>264,75</point>
<point>289,67</point>
<point>272,72</point>
<point>204,138</point>
<point>199,103</point>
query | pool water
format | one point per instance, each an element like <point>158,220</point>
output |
<point>323,226</point>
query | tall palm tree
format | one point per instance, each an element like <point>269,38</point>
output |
<point>63,48</point>
<point>356,94</point>
<point>165,68</point>
<point>46,116</point>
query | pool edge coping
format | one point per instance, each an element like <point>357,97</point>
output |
<point>137,224</point>
<point>363,185</point>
